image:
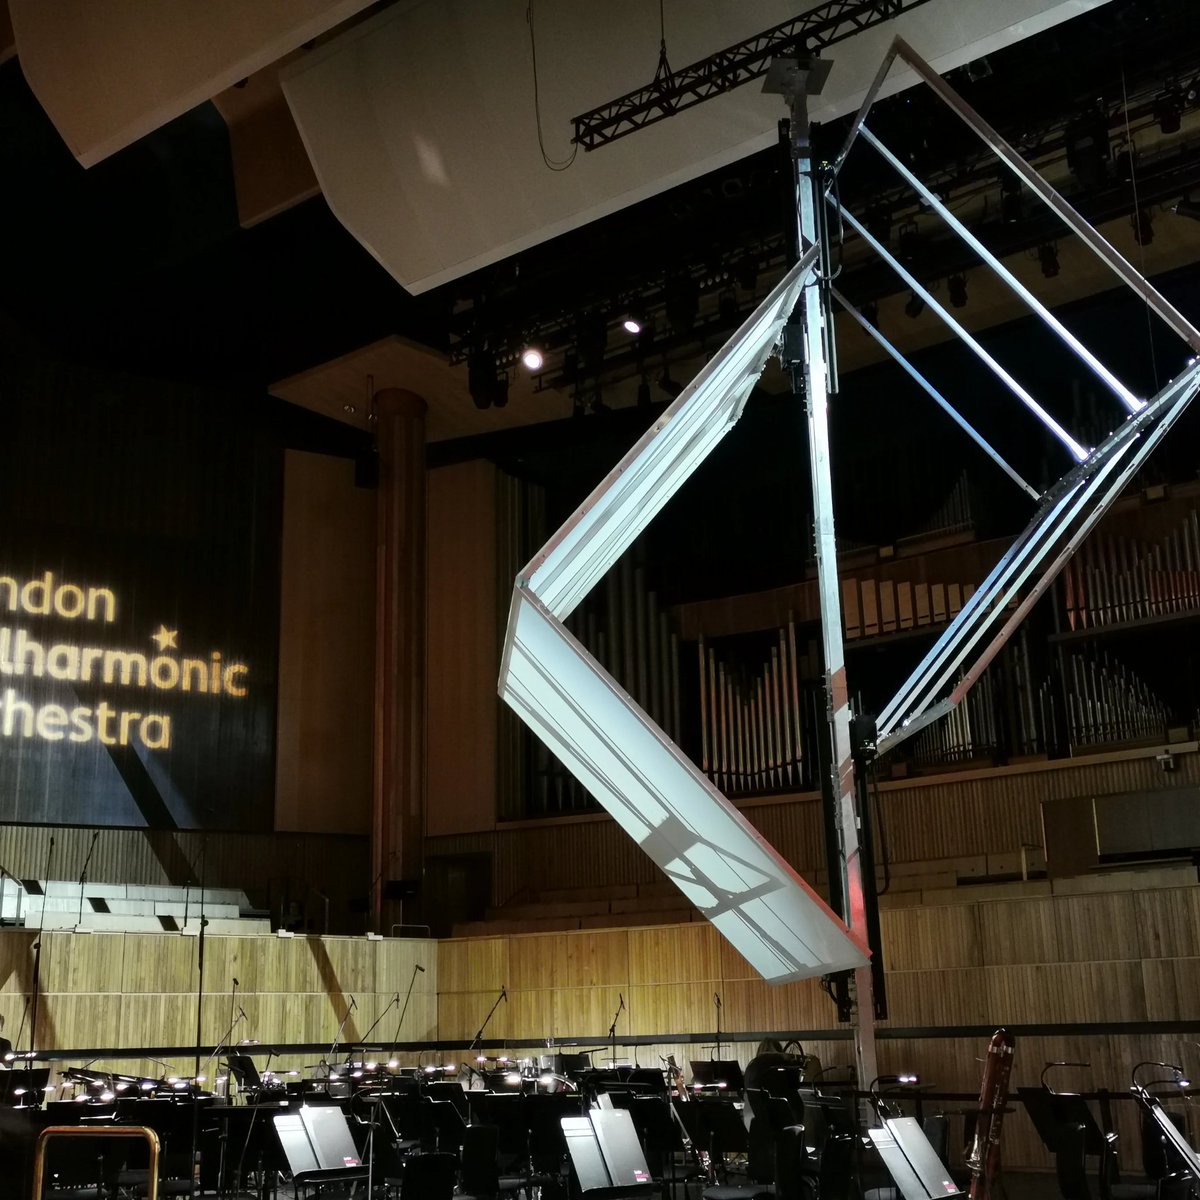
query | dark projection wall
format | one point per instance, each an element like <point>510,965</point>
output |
<point>139,596</point>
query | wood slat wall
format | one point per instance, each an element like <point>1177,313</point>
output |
<point>990,812</point>
<point>1104,958</point>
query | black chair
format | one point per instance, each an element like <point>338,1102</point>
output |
<point>480,1176</point>
<point>426,1177</point>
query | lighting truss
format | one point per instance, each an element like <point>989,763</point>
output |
<point>649,786</point>
<point>1072,507</point>
<point>825,25</point>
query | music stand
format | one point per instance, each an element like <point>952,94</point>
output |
<point>912,1161</point>
<point>721,1074</point>
<point>605,1154</point>
<point>318,1146</point>
<point>1171,1134</point>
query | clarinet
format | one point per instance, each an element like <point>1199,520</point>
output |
<point>983,1157</point>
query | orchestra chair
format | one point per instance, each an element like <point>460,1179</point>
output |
<point>480,1177</point>
<point>425,1177</point>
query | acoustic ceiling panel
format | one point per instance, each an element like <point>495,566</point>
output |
<point>420,121</point>
<point>108,72</point>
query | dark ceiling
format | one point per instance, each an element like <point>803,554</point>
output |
<point>139,263</point>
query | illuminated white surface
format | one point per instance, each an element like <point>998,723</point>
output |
<point>624,760</point>
<point>420,124</point>
<point>604,526</point>
<point>711,852</point>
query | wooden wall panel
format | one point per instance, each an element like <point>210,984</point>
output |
<point>919,938</point>
<point>674,953</point>
<point>460,1014</point>
<point>588,1011</point>
<point>91,963</point>
<point>1168,922</point>
<point>666,1008</point>
<point>1092,928</point>
<point>158,962</point>
<point>463,640</point>
<point>471,964</point>
<point>1018,931</point>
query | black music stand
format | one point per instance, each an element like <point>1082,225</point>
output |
<point>911,1161</point>
<point>724,1075</point>
<point>1051,1112</point>
<point>25,1088</point>
<point>1172,1136</point>
<point>318,1147</point>
<point>605,1154</point>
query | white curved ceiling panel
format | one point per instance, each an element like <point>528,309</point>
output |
<point>420,121</point>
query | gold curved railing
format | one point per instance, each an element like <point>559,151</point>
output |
<point>111,1131</point>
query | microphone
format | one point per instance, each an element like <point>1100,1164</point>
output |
<point>353,1003</point>
<point>419,968</point>
<point>717,999</point>
<point>242,1014</point>
<point>621,997</point>
<point>504,993</point>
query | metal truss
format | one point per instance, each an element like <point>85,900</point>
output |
<point>1073,506</point>
<point>675,91</point>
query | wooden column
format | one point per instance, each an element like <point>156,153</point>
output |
<point>398,806</point>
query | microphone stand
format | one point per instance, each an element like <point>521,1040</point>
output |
<point>408,996</point>
<point>224,1043</point>
<point>195,1179</point>
<point>37,960</point>
<point>479,1036</point>
<point>362,1041</point>
<point>379,1097</point>
<point>83,874</point>
<point>337,1038</point>
<point>612,1029</point>
<point>717,1002</point>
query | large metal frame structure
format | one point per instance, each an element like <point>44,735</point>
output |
<point>693,832</point>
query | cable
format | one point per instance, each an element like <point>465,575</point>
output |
<point>559,164</point>
<point>1137,212</point>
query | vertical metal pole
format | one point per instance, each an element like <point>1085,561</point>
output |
<point>816,397</point>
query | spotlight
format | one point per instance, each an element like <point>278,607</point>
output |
<point>634,322</point>
<point>914,307</point>
<point>486,383</point>
<point>532,358</point>
<point>1187,207</point>
<point>956,287</point>
<point>1143,227</point>
<point>1168,111</point>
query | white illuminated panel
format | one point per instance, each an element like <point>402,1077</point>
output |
<point>694,834</point>
<point>712,853</point>
<point>605,525</point>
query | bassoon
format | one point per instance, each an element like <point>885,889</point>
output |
<point>983,1155</point>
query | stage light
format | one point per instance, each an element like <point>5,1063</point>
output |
<point>956,287</point>
<point>1187,207</point>
<point>908,1079</point>
<point>914,306</point>
<point>393,1063</point>
<point>484,380</point>
<point>1168,111</point>
<point>1048,258</point>
<point>532,358</point>
<point>1143,227</point>
<point>634,322</point>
